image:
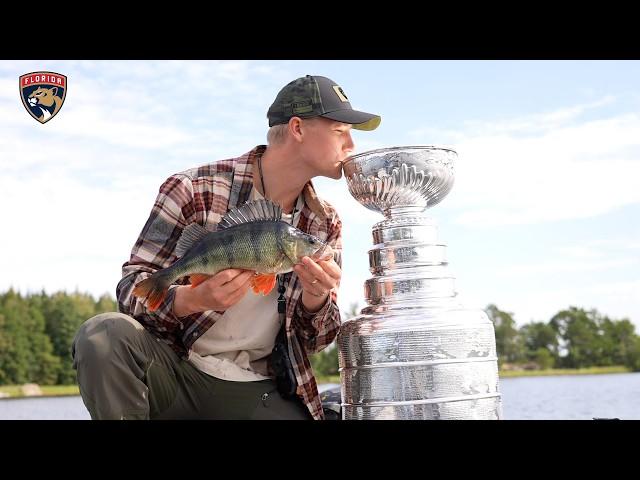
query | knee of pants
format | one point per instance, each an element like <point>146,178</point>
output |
<point>102,336</point>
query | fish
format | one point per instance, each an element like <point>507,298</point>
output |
<point>251,237</point>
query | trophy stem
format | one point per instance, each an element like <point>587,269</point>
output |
<point>403,210</point>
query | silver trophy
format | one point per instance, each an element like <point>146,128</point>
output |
<point>414,352</point>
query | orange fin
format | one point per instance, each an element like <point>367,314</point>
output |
<point>198,278</point>
<point>153,290</point>
<point>263,283</point>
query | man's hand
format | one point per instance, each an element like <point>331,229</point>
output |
<point>221,291</point>
<point>317,279</point>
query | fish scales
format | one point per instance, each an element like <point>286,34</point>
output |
<point>250,246</point>
<point>244,240</point>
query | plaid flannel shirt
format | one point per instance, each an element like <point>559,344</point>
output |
<point>203,195</point>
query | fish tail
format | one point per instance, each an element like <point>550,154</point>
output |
<point>154,289</point>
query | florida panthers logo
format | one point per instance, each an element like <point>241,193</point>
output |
<point>43,94</point>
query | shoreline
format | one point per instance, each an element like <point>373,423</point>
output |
<point>563,371</point>
<point>50,391</point>
<point>523,373</point>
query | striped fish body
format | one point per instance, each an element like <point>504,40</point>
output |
<point>255,246</point>
<point>252,237</point>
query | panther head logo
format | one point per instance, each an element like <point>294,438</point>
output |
<point>47,100</point>
<point>43,94</point>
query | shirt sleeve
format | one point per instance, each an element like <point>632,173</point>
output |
<point>153,250</point>
<point>318,330</point>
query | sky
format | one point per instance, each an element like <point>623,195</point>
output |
<point>544,213</point>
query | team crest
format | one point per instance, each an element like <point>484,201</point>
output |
<point>43,94</point>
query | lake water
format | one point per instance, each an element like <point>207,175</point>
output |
<point>579,397</point>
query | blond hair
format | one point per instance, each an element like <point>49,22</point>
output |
<point>276,134</point>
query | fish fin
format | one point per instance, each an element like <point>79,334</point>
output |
<point>254,211</point>
<point>153,290</point>
<point>191,235</point>
<point>263,283</point>
<point>198,278</point>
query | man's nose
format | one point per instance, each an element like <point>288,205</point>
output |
<point>349,145</point>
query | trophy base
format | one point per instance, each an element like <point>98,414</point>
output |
<point>419,363</point>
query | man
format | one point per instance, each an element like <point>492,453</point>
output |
<point>205,351</point>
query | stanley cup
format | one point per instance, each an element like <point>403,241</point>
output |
<point>414,352</point>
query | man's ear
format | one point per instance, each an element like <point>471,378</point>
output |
<point>295,128</point>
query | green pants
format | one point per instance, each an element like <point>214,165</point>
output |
<point>125,372</point>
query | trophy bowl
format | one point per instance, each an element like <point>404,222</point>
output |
<point>400,179</point>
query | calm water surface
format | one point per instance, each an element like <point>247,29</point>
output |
<point>579,397</point>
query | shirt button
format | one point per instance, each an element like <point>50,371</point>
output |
<point>195,334</point>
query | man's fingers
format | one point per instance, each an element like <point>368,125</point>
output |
<point>311,271</point>
<point>224,277</point>
<point>302,273</point>
<point>331,268</point>
<point>239,281</point>
<point>324,271</point>
<point>316,280</point>
<point>232,292</point>
<point>237,295</point>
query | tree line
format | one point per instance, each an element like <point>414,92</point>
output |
<point>36,332</point>
<point>572,338</point>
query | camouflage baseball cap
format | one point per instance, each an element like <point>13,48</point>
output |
<point>315,96</point>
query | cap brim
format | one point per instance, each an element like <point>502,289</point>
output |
<point>358,120</point>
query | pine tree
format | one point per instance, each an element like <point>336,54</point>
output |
<point>27,354</point>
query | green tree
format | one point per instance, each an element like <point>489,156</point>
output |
<point>4,346</point>
<point>106,303</point>
<point>633,355</point>
<point>581,337</point>
<point>537,336</point>
<point>618,341</point>
<point>64,314</point>
<point>543,357</point>
<point>509,343</point>
<point>17,355</point>
<point>27,354</point>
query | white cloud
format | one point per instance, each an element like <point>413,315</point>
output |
<point>599,249</point>
<point>572,172</point>
<point>543,167</point>
<point>538,122</point>
<point>65,234</point>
